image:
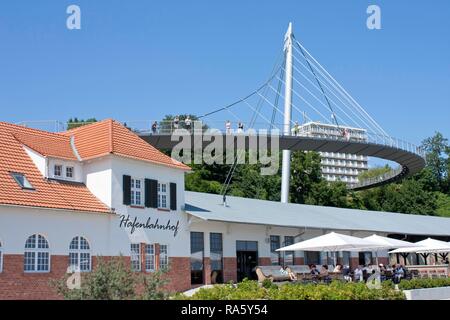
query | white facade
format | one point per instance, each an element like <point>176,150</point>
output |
<point>338,166</point>
<point>104,232</point>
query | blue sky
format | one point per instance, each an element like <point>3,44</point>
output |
<point>137,60</point>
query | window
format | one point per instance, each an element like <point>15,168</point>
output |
<point>312,257</point>
<point>57,170</point>
<point>197,253</point>
<point>136,192</point>
<point>135,257</point>
<point>216,250</point>
<point>163,256</point>
<point>37,255</point>
<point>365,258</point>
<point>79,255</point>
<point>288,255</point>
<point>1,258</point>
<point>149,257</point>
<point>69,172</point>
<point>274,245</point>
<point>162,195</point>
<point>21,180</point>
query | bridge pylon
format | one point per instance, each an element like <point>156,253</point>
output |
<point>286,163</point>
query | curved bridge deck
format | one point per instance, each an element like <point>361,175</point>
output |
<point>409,157</point>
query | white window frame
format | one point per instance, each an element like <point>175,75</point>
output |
<point>163,195</point>
<point>133,256</point>
<point>135,191</point>
<point>73,172</point>
<point>150,258</point>
<point>78,252</point>
<point>61,170</point>
<point>36,250</point>
<point>163,258</point>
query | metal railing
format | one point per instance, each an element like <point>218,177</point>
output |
<point>167,127</point>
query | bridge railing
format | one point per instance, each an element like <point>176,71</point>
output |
<point>391,174</point>
<point>169,126</point>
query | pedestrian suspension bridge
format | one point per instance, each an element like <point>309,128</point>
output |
<point>303,106</point>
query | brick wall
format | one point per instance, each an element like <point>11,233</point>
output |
<point>299,260</point>
<point>179,274</point>
<point>354,262</point>
<point>206,270</point>
<point>229,269</point>
<point>16,284</point>
<point>264,261</point>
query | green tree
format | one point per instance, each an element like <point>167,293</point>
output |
<point>305,172</point>
<point>409,197</point>
<point>374,172</point>
<point>75,122</point>
<point>438,151</point>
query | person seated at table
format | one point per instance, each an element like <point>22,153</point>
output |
<point>338,268</point>
<point>358,274</point>
<point>399,273</point>
<point>324,273</point>
<point>314,270</point>
<point>347,273</point>
<point>283,270</point>
<point>292,275</point>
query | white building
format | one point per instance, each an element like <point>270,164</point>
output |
<point>338,166</point>
<point>100,190</point>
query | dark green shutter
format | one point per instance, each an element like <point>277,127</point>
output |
<point>151,193</point>
<point>173,196</point>
<point>126,190</point>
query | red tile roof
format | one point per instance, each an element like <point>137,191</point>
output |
<point>111,137</point>
<point>47,193</point>
<point>91,141</point>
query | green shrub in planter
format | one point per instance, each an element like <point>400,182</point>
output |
<point>424,283</point>
<point>250,290</point>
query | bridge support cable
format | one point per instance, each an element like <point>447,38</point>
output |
<point>366,122</point>
<point>309,104</point>
<point>356,123</point>
<point>321,88</point>
<point>348,97</point>
<point>256,112</point>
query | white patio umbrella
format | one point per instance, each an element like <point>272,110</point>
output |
<point>330,242</point>
<point>426,246</point>
<point>385,243</point>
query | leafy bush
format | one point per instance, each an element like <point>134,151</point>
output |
<point>153,286</point>
<point>251,290</point>
<point>245,290</point>
<point>112,279</point>
<point>424,283</point>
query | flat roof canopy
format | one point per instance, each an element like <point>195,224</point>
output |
<point>262,212</point>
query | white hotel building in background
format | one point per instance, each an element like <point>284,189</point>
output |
<point>338,166</point>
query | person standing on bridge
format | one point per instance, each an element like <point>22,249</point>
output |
<point>176,122</point>
<point>296,129</point>
<point>154,127</point>
<point>188,123</point>
<point>228,127</point>
<point>240,127</point>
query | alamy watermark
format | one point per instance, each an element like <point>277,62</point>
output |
<point>373,21</point>
<point>73,21</point>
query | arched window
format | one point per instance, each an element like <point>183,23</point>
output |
<point>37,255</point>
<point>79,255</point>
<point>1,256</point>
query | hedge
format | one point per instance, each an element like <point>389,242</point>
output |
<point>251,290</point>
<point>423,283</point>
